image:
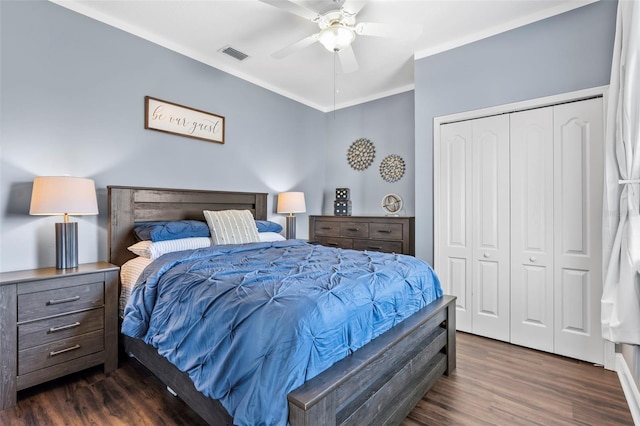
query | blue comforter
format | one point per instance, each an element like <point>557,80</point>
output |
<point>252,322</point>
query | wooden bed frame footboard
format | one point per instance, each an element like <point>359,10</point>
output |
<point>379,383</point>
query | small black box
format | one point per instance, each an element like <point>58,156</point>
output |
<point>342,208</point>
<point>342,194</point>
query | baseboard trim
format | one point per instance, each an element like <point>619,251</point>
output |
<point>629,387</point>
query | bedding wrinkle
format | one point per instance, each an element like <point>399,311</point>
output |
<point>251,322</point>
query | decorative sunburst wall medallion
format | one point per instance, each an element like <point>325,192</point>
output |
<point>392,168</point>
<point>360,154</point>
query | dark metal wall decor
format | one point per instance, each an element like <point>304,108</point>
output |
<point>392,168</point>
<point>360,154</point>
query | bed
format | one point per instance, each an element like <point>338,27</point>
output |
<point>379,383</point>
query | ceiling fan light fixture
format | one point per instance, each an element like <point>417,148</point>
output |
<point>336,37</point>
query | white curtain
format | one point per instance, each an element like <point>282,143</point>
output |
<point>621,219</point>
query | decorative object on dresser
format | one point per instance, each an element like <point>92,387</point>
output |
<point>342,203</point>
<point>64,196</point>
<point>392,204</point>
<point>392,168</point>
<point>391,234</point>
<point>55,322</point>
<point>361,154</point>
<point>291,202</point>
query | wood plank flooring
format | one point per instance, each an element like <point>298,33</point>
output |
<point>494,384</point>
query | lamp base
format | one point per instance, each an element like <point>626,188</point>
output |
<point>290,232</point>
<point>66,245</point>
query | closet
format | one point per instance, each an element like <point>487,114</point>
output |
<point>518,219</point>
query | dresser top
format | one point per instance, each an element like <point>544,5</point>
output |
<point>363,217</point>
<point>13,277</point>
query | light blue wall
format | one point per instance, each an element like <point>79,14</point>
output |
<point>561,54</point>
<point>72,102</point>
<point>388,124</point>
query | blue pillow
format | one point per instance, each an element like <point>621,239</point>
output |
<point>268,226</point>
<point>173,230</point>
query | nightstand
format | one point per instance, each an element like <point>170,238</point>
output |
<point>54,322</point>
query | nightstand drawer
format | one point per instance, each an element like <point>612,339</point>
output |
<point>38,333</point>
<point>60,300</point>
<point>376,245</point>
<point>345,243</point>
<point>326,228</point>
<point>60,351</point>
<point>354,229</point>
<point>385,231</point>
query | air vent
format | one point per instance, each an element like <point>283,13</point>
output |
<point>236,54</point>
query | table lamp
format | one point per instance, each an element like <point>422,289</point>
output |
<point>291,202</point>
<point>64,196</point>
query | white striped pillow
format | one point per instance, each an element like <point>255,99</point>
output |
<point>154,250</point>
<point>232,226</point>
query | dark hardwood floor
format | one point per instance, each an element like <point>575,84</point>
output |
<point>494,384</point>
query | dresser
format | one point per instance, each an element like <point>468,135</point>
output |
<point>391,234</point>
<point>54,322</point>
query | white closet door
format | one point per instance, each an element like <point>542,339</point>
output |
<point>578,145</point>
<point>454,260</point>
<point>532,228</point>
<point>491,227</point>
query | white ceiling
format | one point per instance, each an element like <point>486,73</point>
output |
<point>201,28</point>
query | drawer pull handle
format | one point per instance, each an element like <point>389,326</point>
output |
<point>64,327</point>
<point>68,299</point>
<point>384,231</point>
<point>61,351</point>
<point>374,248</point>
<point>332,244</point>
<point>326,227</point>
<point>353,229</point>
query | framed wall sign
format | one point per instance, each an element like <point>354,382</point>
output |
<point>180,120</point>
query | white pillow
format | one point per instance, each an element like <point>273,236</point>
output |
<point>129,274</point>
<point>270,236</point>
<point>153,250</point>
<point>232,226</point>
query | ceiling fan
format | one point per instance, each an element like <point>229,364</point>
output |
<point>338,29</point>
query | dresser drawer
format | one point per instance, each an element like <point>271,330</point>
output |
<point>59,351</point>
<point>38,333</point>
<point>377,245</point>
<point>323,227</point>
<point>345,243</point>
<point>60,300</point>
<point>354,229</point>
<point>385,231</point>
<point>392,234</point>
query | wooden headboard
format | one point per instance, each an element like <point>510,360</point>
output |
<point>128,205</point>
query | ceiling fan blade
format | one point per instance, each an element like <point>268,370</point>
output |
<point>294,8</point>
<point>348,60</point>
<point>406,31</point>
<point>292,48</point>
<point>352,7</point>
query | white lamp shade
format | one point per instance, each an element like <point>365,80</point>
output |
<point>63,195</point>
<point>336,37</point>
<point>291,202</point>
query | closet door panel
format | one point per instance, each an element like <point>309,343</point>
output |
<point>532,228</point>
<point>491,227</point>
<point>454,260</point>
<point>578,144</point>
